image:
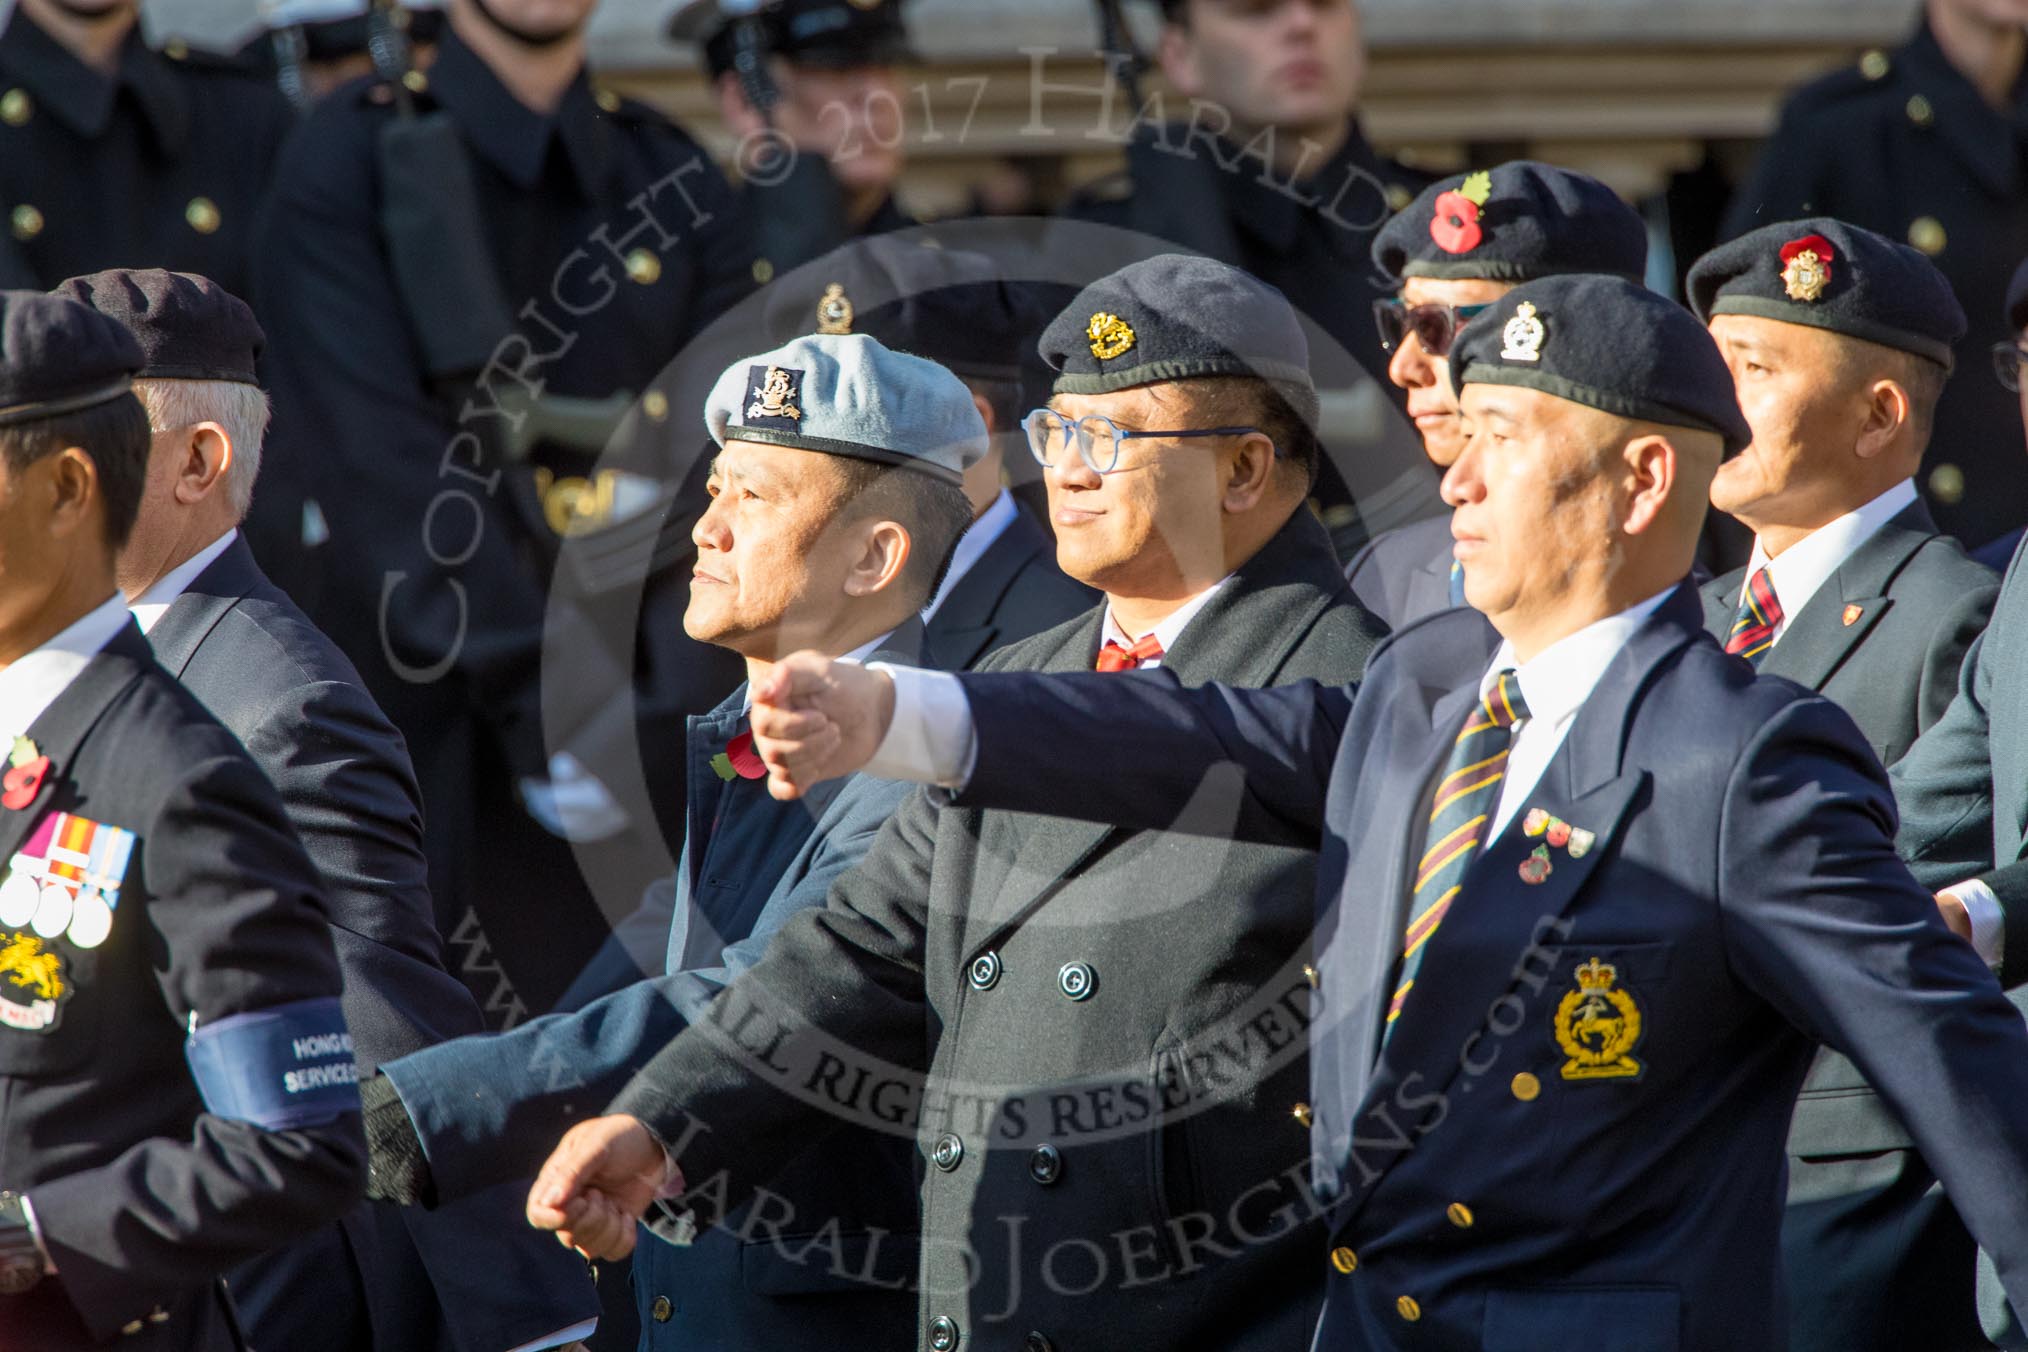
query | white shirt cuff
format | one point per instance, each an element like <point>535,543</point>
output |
<point>576,1333</point>
<point>1989,922</point>
<point>931,739</point>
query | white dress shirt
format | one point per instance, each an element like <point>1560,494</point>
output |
<point>150,604</point>
<point>972,546</point>
<point>1555,683</point>
<point>34,680</point>
<point>931,741</point>
<point>1798,571</point>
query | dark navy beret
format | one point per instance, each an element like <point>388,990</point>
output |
<point>189,327</point>
<point>949,305</point>
<point>1831,275</point>
<point>1179,317</point>
<point>1609,344</point>
<point>2017,298</point>
<point>838,33</point>
<point>58,356</point>
<point>1513,223</point>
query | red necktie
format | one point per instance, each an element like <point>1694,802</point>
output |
<point>1753,631</point>
<point>1113,657</point>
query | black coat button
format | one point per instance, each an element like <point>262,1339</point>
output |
<point>1045,1166</point>
<point>985,971</point>
<point>948,1152</point>
<point>943,1334</point>
<point>1037,1342</point>
<point>661,1309</point>
<point>1077,980</point>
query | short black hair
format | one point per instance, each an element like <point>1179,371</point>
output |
<point>1009,400</point>
<point>1251,401</point>
<point>114,434</point>
<point>933,510</point>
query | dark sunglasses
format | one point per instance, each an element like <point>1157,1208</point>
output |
<point>2008,359</point>
<point>1434,324</point>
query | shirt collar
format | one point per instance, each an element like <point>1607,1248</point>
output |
<point>972,546</point>
<point>151,604</point>
<point>80,97</point>
<point>31,684</point>
<point>1171,628</point>
<point>509,134</point>
<point>1556,682</point>
<point>1798,571</point>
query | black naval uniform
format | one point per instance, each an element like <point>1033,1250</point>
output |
<point>160,165</point>
<point>1904,145</point>
<point>144,1193</point>
<point>447,628</point>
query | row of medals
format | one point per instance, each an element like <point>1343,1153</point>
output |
<point>52,907</point>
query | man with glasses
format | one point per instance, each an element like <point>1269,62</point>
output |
<point>1460,246</point>
<point>2010,366</point>
<point>1839,341</point>
<point>1113,1121</point>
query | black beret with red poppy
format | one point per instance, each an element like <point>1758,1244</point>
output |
<point>1513,223</point>
<point>1606,343</point>
<point>1828,274</point>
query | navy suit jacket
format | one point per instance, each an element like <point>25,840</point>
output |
<point>263,670</point>
<point>1744,890</point>
<point>1404,575</point>
<point>491,1108</point>
<point>1011,591</point>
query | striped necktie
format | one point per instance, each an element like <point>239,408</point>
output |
<point>1460,818</point>
<point>1760,612</point>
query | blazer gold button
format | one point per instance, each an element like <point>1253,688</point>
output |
<point>1344,1259</point>
<point>26,221</point>
<point>1460,1215</point>
<point>1408,1309</point>
<point>1302,1114</point>
<point>1875,65</point>
<point>644,267</point>
<point>661,1309</point>
<point>132,1327</point>
<point>1045,1166</point>
<point>943,1334</point>
<point>1526,1087</point>
<point>158,1315</point>
<point>1077,980</point>
<point>202,215</point>
<point>1947,483</point>
<point>415,82</point>
<point>763,271</point>
<point>984,972</point>
<point>1926,233</point>
<point>1919,111</point>
<point>16,107</point>
<point>655,404</point>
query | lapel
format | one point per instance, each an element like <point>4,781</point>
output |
<point>964,627</point>
<point>191,617</point>
<point>1818,639</point>
<point>1587,784</point>
<point>70,718</point>
<point>1721,603</point>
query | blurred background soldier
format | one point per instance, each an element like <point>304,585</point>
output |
<point>1924,144</point>
<point>476,276</point>
<point>112,155</point>
<point>1266,167</point>
<point>809,88</point>
<point>311,47</point>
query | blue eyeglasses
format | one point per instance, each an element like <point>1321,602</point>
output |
<point>1098,438</point>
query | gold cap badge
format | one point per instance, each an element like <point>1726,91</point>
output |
<point>834,311</point>
<point>1110,336</point>
<point>1806,267</point>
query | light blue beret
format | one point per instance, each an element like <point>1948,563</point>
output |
<point>849,395</point>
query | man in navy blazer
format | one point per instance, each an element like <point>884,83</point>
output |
<point>1584,907</point>
<point>828,528</point>
<point>379,1277</point>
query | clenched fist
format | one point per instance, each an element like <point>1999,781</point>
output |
<point>816,718</point>
<point>597,1183</point>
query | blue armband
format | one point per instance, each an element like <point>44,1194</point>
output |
<point>287,1066</point>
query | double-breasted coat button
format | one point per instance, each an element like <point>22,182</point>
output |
<point>1077,980</point>
<point>1408,1309</point>
<point>643,267</point>
<point>1045,1166</point>
<point>984,973</point>
<point>661,1309</point>
<point>1526,1087</point>
<point>158,1315</point>
<point>202,215</point>
<point>1344,1260</point>
<point>1947,483</point>
<point>1460,1215</point>
<point>25,221</point>
<point>948,1153</point>
<point>1926,233</point>
<point>132,1327</point>
<point>1919,112</point>
<point>1303,1114</point>
<point>16,107</point>
<point>1037,1342</point>
<point>1875,65</point>
<point>943,1333</point>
